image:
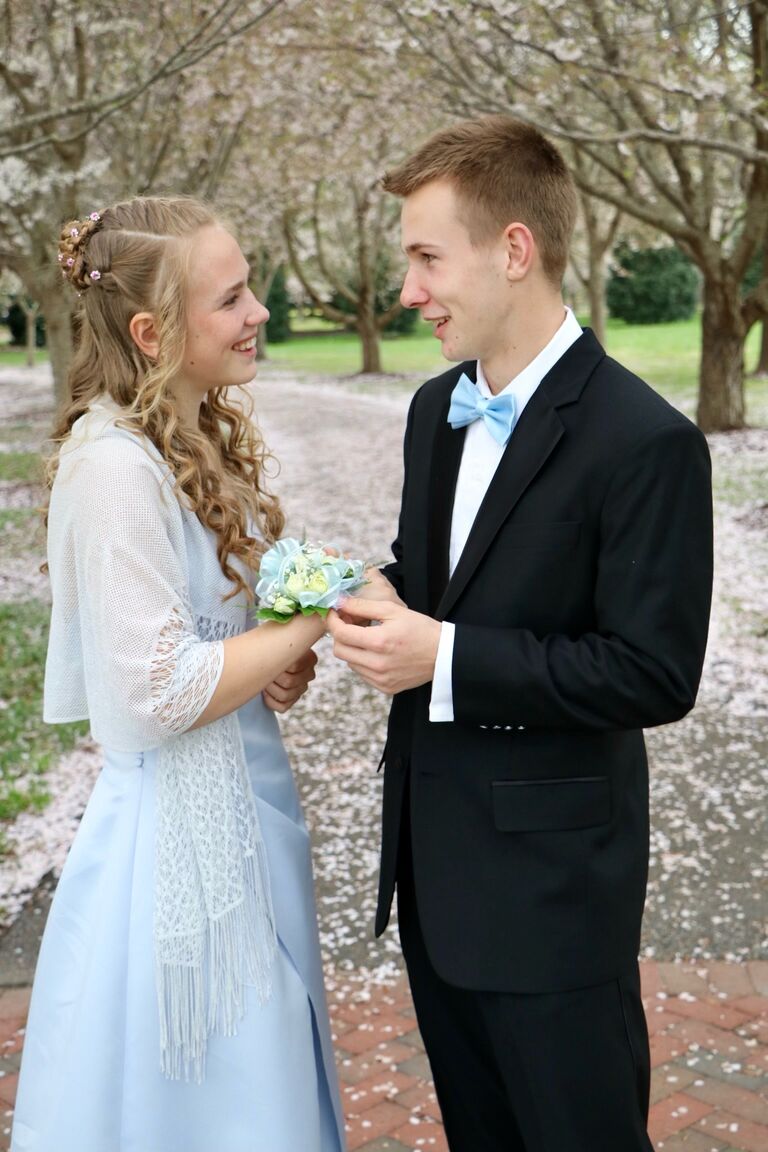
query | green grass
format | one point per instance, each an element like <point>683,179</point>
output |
<point>22,532</point>
<point>12,357</point>
<point>21,467</point>
<point>338,353</point>
<point>666,355</point>
<point>27,746</point>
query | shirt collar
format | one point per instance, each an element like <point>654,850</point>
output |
<point>526,382</point>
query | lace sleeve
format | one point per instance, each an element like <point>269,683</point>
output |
<point>116,531</point>
<point>181,674</point>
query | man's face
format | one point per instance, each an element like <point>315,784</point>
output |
<point>462,290</point>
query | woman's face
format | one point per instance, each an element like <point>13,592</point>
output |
<point>223,316</point>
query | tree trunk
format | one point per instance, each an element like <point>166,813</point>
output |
<point>369,339</point>
<point>601,223</point>
<point>262,288</point>
<point>721,377</point>
<point>58,332</point>
<point>367,328</point>
<point>762,360</point>
<point>596,293</point>
<point>30,315</point>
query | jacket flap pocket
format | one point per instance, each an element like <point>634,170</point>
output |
<point>551,805</point>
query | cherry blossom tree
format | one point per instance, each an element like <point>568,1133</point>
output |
<point>666,105</point>
<point>89,98</point>
<point>340,230</point>
<point>350,229</point>
<point>595,236</point>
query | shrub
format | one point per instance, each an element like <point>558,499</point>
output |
<point>651,285</point>
<point>279,303</point>
<point>17,326</point>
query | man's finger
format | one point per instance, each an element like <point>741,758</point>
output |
<point>351,635</point>
<point>357,658</point>
<point>368,609</point>
<point>350,624</point>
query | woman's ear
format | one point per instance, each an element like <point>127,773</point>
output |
<point>144,334</point>
<point>520,248</point>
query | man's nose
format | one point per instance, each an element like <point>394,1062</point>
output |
<point>412,294</point>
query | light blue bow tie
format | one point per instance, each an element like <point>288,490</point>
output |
<point>497,412</point>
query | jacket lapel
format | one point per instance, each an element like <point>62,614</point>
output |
<point>446,457</point>
<point>533,441</point>
<point>525,455</point>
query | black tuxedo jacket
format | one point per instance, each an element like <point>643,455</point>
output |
<point>581,604</point>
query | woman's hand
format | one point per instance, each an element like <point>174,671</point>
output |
<point>286,688</point>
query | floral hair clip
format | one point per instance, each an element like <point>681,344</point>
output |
<point>95,217</point>
<point>94,274</point>
<point>74,233</point>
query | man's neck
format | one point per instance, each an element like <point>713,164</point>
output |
<point>528,334</point>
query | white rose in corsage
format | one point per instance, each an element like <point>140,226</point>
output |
<point>297,576</point>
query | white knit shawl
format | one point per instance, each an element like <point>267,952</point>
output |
<point>137,625</point>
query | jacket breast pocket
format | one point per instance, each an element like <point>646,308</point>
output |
<point>542,537</point>
<point>551,805</point>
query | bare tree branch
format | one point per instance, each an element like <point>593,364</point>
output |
<point>183,58</point>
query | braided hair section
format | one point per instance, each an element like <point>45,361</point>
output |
<point>73,252</point>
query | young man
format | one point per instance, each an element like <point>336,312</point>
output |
<point>554,564</point>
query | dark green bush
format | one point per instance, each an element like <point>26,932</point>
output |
<point>279,303</point>
<point>17,326</point>
<point>651,285</point>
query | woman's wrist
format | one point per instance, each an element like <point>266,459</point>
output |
<point>306,630</point>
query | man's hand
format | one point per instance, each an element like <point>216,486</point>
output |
<point>377,588</point>
<point>399,654</point>
<point>286,688</point>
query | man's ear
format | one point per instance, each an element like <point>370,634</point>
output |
<point>144,334</point>
<point>520,251</point>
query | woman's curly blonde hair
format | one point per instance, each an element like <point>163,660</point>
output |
<point>133,258</point>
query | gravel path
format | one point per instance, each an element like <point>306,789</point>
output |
<point>339,449</point>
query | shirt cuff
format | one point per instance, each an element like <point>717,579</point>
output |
<point>441,700</point>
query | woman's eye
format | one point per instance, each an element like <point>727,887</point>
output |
<point>231,300</point>
<point>427,257</point>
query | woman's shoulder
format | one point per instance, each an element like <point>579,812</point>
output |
<point>100,437</point>
<point>103,464</point>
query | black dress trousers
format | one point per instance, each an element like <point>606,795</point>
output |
<point>556,1072</point>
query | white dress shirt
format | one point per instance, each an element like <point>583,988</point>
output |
<point>479,460</point>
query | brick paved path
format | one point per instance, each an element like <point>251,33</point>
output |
<point>709,1050</point>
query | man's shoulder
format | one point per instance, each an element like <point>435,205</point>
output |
<point>633,402</point>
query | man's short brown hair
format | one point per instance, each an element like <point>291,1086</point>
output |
<point>502,171</point>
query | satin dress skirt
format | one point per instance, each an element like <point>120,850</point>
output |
<point>90,1076</point>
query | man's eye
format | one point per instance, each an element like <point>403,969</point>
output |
<point>427,257</point>
<point>231,300</point>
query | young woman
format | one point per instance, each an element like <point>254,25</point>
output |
<point>178,1002</point>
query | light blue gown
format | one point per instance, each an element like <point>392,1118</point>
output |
<point>90,1078</point>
